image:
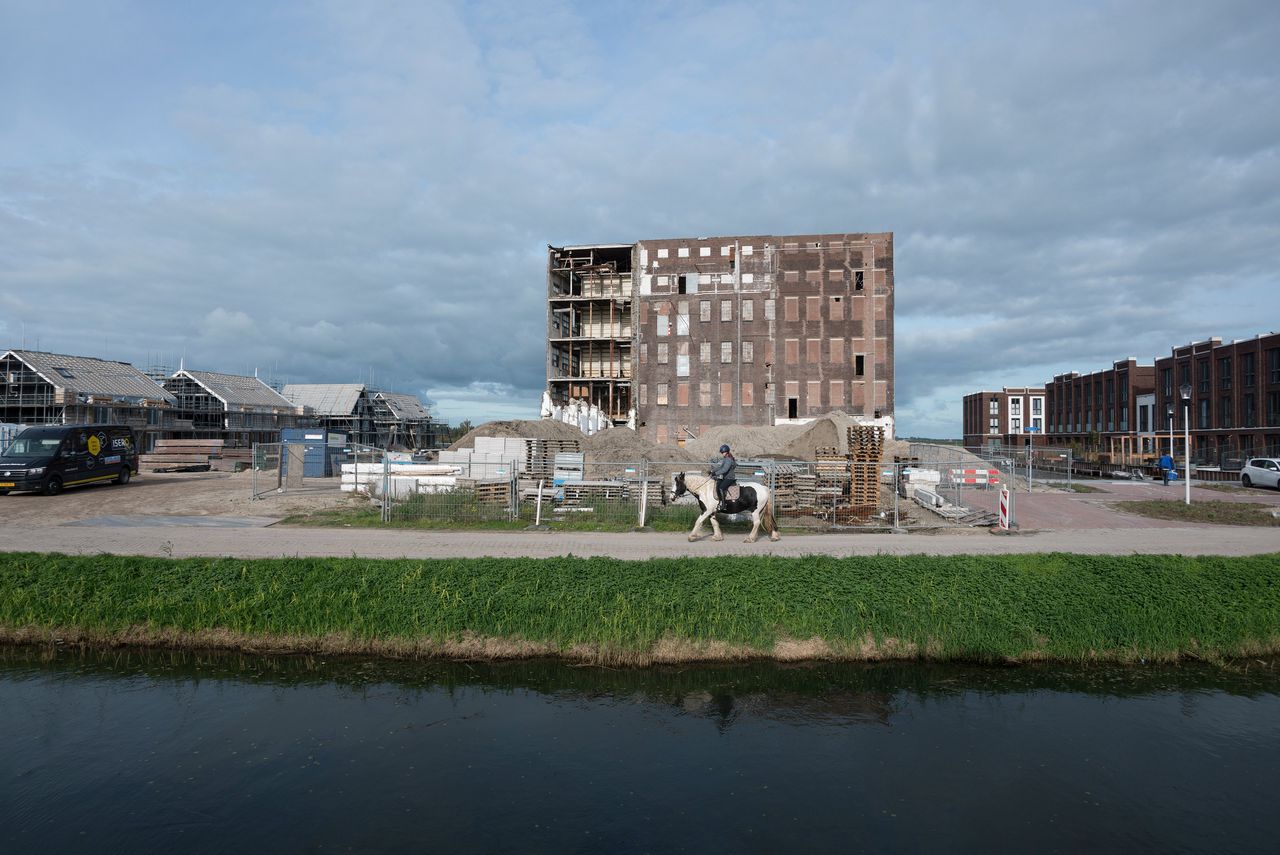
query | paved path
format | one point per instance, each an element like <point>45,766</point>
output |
<point>280,541</point>
<point>1050,522</point>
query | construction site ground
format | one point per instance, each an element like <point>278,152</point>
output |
<point>214,514</point>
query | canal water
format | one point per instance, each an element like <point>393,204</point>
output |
<point>161,752</point>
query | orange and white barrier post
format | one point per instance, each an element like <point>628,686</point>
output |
<point>1006,508</point>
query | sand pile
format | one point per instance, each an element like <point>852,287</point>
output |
<point>794,442</point>
<point>623,445</point>
<point>522,429</point>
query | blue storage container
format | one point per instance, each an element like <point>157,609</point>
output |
<point>321,448</point>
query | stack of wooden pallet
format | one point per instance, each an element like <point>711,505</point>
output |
<point>488,491</point>
<point>865,447</point>
<point>178,455</point>
<point>784,487</point>
<point>577,493</point>
<point>831,475</point>
<point>540,460</point>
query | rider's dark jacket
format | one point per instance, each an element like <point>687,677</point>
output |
<point>723,472</point>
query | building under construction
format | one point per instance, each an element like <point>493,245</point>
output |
<point>39,388</point>
<point>589,332</point>
<point>686,333</point>
<point>235,409</point>
<point>367,416</point>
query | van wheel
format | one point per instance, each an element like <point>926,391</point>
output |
<point>53,486</point>
<point>123,477</point>
<point>1244,479</point>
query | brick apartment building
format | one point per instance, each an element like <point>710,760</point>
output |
<point>1102,406</point>
<point>1234,404</point>
<point>751,330</point>
<point>1007,417</point>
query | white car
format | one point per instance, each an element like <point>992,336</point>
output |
<point>1261,472</point>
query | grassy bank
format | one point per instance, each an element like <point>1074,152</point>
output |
<point>1215,513</point>
<point>988,608</point>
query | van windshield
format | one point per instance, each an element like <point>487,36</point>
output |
<point>33,444</point>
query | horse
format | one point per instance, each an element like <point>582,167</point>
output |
<point>753,498</point>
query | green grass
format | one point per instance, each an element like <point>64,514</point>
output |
<point>1077,487</point>
<point>1222,487</point>
<point>448,512</point>
<point>980,608</point>
<point>1218,513</point>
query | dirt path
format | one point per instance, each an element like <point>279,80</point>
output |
<point>167,493</point>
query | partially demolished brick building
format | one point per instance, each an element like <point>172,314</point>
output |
<point>682,334</point>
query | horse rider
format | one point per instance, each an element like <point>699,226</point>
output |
<point>723,473</point>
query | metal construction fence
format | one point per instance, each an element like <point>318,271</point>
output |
<point>1022,465</point>
<point>294,467</point>
<point>935,488</point>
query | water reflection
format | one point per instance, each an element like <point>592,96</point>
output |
<point>147,751</point>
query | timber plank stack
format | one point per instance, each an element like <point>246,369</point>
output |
<point>180,455</point>
<point>231,460</point>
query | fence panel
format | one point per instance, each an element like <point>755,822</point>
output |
<point>282,468</point>
<point>936,487</point>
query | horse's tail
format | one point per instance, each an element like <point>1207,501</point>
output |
<point>766,517</point>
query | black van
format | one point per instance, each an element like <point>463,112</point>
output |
<point>51,457</point>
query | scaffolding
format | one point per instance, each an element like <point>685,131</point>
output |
<point>589,327</point>
<point>49,388</point>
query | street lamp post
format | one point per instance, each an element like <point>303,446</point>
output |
<point>1169,413</point>
<point>1185,391</point>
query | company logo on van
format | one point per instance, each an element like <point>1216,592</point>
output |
<point>95,446</point>
<point>120,442</point>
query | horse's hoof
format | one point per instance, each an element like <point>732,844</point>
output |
<point>749,540</point>
<point>717,537</point>
<point>775,537</point>
<point>692,538</point>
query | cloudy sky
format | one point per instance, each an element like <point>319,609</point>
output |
<point>355,191</point>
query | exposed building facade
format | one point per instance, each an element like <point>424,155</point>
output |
<point>687,333</point>
<point>1010,416</point>
<point>589,332</point>
<point>1234,404</point>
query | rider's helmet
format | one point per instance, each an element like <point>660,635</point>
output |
<point>723,449</point>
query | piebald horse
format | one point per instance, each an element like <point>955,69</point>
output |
<point>754,499</point>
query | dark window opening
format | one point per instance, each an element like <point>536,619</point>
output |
<point>793,408</point>
<point>857,280</point>
<point>859,364</point>
<point>682,284</point>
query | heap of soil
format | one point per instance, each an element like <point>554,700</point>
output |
<point>623,445</point>
<point>521,429</point>
<point>784,442</point>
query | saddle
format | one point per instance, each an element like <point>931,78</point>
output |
<point>733,493</point>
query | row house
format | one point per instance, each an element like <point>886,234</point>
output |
<point>1230,394</point>
<point>1110,410</point>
